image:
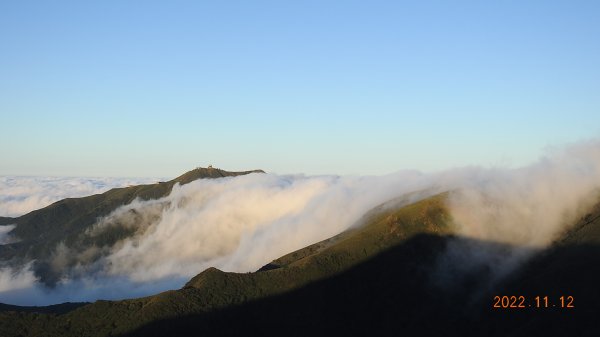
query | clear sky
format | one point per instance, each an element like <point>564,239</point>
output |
<point>148,88</point>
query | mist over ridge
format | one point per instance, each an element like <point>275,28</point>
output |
<point>239,224</point>
<point>23,194</point>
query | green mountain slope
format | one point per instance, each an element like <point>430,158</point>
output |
<point>397,292</point>
<point>40,231</point>
<point>382,278</point>
<point>214,290</point>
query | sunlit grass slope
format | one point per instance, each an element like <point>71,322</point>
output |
<point>213,289</point>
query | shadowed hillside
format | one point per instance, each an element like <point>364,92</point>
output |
<point>213,289</point>
<point>395,293</point>
<point>390,276</point>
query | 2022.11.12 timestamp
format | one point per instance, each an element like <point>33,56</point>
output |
<point>522,302</point>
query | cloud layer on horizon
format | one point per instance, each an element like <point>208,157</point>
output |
<point>20,195</point>
<point>239,224</point>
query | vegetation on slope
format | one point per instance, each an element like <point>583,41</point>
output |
<point>401,291</point>
<point>39,232</point>
<point>216,290</point>
<point>378,279</point>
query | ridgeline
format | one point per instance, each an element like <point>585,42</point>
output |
<point>389,276</point>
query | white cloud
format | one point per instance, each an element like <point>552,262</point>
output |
<point>20,195</point>
<point>4,237</point>
<point>239,224</point>
<point>530,205</point>
<point>12,280</point>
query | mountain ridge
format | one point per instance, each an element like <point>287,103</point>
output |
<point>380,277</point>
<point>213,289</point>
<point>40,231</point>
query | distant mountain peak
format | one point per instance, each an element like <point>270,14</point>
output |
<point>209,172</point>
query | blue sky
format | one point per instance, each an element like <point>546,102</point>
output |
<point>143,88</point>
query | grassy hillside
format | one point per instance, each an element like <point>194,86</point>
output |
<point>214,290</point>
<point>40,231</point>
<point>382,278</point>
<point>397,292</point>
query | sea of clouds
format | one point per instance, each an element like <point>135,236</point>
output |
<point>239,224</point>
<point>22,194</point>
